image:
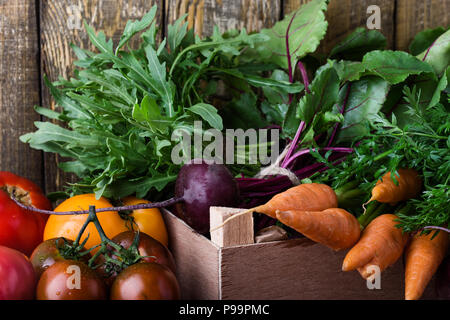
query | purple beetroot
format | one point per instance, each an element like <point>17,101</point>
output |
<point>202,185</point>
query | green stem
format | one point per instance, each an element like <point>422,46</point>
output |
<point>348,186</point>
<point>93,218</point>
<point>354,193</point>
<point>382,155</point>
<point>422,135</point>
<point>367,218</point>
<point>405,210</point>
<point>372,206</point>
<point>348,192</point>
<point>83,228</point>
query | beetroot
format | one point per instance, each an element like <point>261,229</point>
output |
<point>202,185</point>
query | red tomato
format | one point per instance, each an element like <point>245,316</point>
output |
<point>148,247</point>
<point>145,281</point>
<point>48,252</point>
<point>21,229</point>
<point>70,280</point>
<point>17,277</point>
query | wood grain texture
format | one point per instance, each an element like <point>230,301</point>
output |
<point>227,14</point>
<point>19,87</point>
<point>414,16</point>
<point>61,23</point>
<point>196,258</point>
<point>300,269</point>
<point>238,231</point>
<point>345,16</point>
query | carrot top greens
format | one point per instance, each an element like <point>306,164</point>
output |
<point>416,135</point>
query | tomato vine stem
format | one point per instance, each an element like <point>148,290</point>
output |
<point>161,204</point>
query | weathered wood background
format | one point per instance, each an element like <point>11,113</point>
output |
<point>35,37</point>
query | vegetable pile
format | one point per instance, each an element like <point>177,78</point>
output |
<point>365,132</point>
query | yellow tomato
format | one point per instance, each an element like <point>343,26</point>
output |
<point>68,226</point>
<point>149,221</point>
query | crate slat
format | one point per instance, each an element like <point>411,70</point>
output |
<point>238,231</point>
<point>197,260</point>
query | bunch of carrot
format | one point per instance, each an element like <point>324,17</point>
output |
<point>382,243</point>
<point>312,209</point>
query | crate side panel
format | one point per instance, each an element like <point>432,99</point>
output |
<point>300,269</point>
<point>197,260</point>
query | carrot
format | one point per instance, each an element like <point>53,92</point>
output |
<point>335,228</point>
<point>304,197</point>
<point>386,191</point>
<point>381,245</point>
<point>310,196</point>
<point>423,257</point>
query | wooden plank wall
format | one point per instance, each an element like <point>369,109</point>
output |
<point>19,87</point>
<point>35,37</point>
<point>345,16</point>
<point>413,16</point>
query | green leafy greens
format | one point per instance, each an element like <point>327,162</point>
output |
<point>120,110</point>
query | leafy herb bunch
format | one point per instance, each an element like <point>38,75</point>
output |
<point>123,105</point>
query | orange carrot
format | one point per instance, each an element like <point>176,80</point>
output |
<point>386,191</point>
<point>423,257</point>
<point>381,245</point>
<point>335,228</point>
<point>304,197</point>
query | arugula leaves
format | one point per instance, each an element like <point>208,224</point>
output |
<point>208,113</point>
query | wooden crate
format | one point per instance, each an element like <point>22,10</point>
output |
<point>291,269</point>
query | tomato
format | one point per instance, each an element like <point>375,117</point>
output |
<point>148,247</point>
<point>48,252</point>
<point>70,280</point>
<point>149,221</point>
<point>68,226</point>
<point>21,229</point>
<point>151,249</point>
<point>145,281</point>
<point>17,278</point>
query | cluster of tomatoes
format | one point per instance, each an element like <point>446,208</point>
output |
<point>122,256</point>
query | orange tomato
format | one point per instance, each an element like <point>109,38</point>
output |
<point>69,226</point>
<point>148,221</point>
